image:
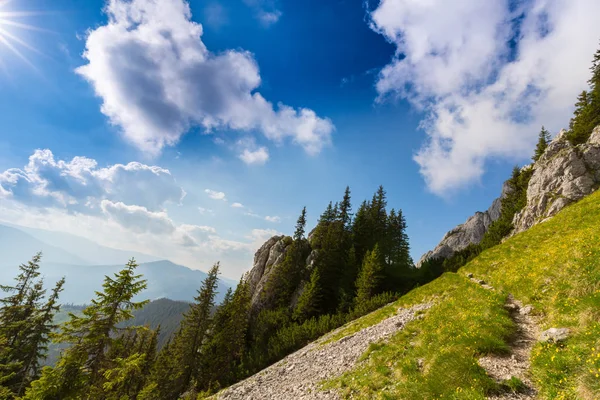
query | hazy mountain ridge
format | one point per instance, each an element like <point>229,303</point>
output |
<point>85,276</point>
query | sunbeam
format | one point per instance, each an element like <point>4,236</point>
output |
<point>10,25</point>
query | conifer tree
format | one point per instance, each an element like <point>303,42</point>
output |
<point>25,323</point>
<point>82,368</point>
<point>300,226</point>
<point>542,144</point>
<point>193,332</point>
<point>222,354</point>
<point>587,109</point>
<point>346,209</point>
<point>310,299</point>
<point>369,278</point>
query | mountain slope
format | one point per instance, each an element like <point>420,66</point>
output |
<point>554,267</point>
<point>17,247</point>
<point>165,280</point>
<point>85,248</point>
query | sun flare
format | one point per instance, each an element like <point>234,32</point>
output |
<point>12,23</point>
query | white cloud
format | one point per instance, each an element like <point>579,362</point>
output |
<point>213,194</point>
<point>237,205</point>
<point>251,214</point>
<point>157,79</point>
<point>203,210</point>
<point>484,97</point>
<point>258,156</point>
<point>268,18</point>
<point>79,185</point>
<point>265,11</point>
<point>273,219</point>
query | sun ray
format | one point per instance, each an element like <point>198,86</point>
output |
<point>6,34</point>
<point>17,52</point>
<point>24,26</point>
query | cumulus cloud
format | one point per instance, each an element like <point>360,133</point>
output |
<point>213,194</point>
<point>203,210</point>
<point>157,79</point>
<point>237,205</point>
<point>79,185</point>
<point>487,74</point>
<point>257,157</point>
<point>272,218</point>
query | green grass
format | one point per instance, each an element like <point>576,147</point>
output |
<point>555,266</point>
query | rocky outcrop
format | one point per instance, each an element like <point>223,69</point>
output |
<point>266,260</point>
<point>470,232</point>
<point>563,175</point>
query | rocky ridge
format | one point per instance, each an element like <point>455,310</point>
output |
<point>564,174</point>
<point>470,232</point>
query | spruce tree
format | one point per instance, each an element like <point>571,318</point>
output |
<point>542,144</point>
<point>587,109</point>
<point>82,368</point>
<point>300,226</point>
<point>222,354</point>
<point>369,278</point>
<point>311,298</point>
<point>25,323</point>
<point>191,336</point>
<point>346,209</point>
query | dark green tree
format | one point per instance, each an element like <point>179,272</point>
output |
<point>92,336</point>
<point>193,332</point>
<point>542,144</point>
<point>369,279</point>
<point>311,298</point>
<point>300,226</point>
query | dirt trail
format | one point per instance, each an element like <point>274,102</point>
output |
<point>298,375</point>
<point>516,364</point>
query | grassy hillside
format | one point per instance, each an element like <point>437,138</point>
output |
<point>555,266</point>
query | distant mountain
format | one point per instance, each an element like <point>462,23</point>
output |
<point>17,247</point>
<point>84,248</point>
<point>165,280</point>
<point>84,276</point>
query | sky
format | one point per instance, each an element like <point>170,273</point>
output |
<point>195,130</point>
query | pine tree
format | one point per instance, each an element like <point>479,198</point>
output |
<point>362,231</point>
<point>39,338</point>
<point>542,144</point>
<point>194,331</point>
<point>369,278</point>
<point>587,109</point>
<point>222,354</point>
<point>310,299</point>
<point>25,323</point>
<point>300,226</point>
<point>346,209</point>
<point>92,336</point>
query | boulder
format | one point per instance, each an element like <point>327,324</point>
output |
<point>555,335</point>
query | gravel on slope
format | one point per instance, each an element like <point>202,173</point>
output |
<point>298,375</point>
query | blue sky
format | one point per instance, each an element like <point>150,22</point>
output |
<point>157,117</point>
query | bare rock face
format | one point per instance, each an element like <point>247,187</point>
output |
<point>563,175</point>
<point>266,260</point>
<point>470,232</point>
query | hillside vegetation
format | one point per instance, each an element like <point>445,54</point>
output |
<point>555,266</point>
